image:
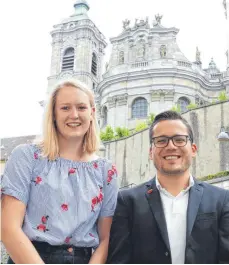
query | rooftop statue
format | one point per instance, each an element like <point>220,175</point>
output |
<point>141,22</point>
<point>198,60</point>
<point>126,24</point>
<point>158,20</point>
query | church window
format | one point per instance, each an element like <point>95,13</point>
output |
<point>105,116</point>
<point>94,64</point>
<point>68,60</point>
<point>139,108</point>
<point>183,102</point>
<point>121,57</point>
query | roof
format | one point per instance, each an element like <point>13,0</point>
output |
<point>8,144</point>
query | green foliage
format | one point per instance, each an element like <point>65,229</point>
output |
<point>214,176</point>
<point>176,108</point>
<point>121,132</point>
<point>222,96</point>
<point>151,118</point>
<point>140,126</point>
<point>214,101</point>
<point>192,106</point>
<point>108,134</point>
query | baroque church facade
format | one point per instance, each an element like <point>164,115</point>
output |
<point>147,72</point>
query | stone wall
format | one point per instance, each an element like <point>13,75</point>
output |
<point>131,154</point>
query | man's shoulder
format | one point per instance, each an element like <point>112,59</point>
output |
<point>211,188</point>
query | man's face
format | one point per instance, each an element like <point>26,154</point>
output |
<point>172,160</point>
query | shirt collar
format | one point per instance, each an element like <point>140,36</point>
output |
<point>191,183</point>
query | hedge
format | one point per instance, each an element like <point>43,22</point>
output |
<point>215,176</point>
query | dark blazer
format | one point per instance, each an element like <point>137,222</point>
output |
<point>139,233</point>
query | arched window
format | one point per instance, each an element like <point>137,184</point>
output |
<point>121,57</point>
<point>139,108</point>
<point>183,102</point>
<point>94,64</point>
<point>68,60</point>
<point>105,116</point>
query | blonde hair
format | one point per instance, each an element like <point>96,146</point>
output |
<point>49,144</point>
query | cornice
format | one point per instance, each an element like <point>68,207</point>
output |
<point>160,73</point>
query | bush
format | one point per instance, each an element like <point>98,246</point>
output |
<point>140,126</point>
<point>108,134</point>
<point>151,118</point>
<point>176,108</point>
<point>121,132</point>
<point>222,96</point>
<point>214,176</point>
<point>192,106</point>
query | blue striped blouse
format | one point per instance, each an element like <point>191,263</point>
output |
<point>63,198</point>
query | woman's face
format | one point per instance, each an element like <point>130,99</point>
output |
<point>73,113</point>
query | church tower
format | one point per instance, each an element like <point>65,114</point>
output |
<point>77,49</point>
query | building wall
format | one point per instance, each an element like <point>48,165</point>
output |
<point>131,154</point>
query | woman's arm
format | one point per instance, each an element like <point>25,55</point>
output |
<point>100,254</point>
<point>17,244</point>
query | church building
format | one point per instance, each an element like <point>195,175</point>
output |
<point>147,72</point>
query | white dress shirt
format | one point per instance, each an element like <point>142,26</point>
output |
<point>175,210</point>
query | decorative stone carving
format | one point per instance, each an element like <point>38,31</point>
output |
<point>122,99</point>
<point>163,51</point>
<point>198,60</point>
<point>141,22</point>
<point>140,49</point>
<point>111,102</point>
<point>121,57</point>
<point>225,7</point>
<point>126,24</point>
<point>158,20</point>
<point>167,94</point>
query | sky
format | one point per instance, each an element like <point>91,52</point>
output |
<point>25,47</point>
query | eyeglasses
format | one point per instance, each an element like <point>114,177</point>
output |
<point>178,140</point>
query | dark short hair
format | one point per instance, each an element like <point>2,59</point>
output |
<point>169,115</point>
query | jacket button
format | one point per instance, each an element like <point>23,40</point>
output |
<point>166,254</point>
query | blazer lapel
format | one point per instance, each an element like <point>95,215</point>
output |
<point>195,195</point>
<point>154,200</point>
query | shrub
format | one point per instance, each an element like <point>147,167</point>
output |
<point>176,108</point>
<point>214,176</point>
<point>140,126</point>
<point>222,96</point>
<point>121,132</point>
<point>151,118</point>
<point>192,106</point>
<point>108,134</point>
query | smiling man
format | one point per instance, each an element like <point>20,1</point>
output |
<point>173,218</point>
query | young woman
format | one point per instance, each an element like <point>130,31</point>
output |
<point>58,196</point>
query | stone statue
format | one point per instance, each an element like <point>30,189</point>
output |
<point>158,20</point>
<point>106,66</point>
<point>141,50</point>
<point>126,24</point>
<point>163,51</point>
<point>141,22</point>
<point>197,55</point>
<point>225,7</point>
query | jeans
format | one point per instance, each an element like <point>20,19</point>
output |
<point>63,254</point>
